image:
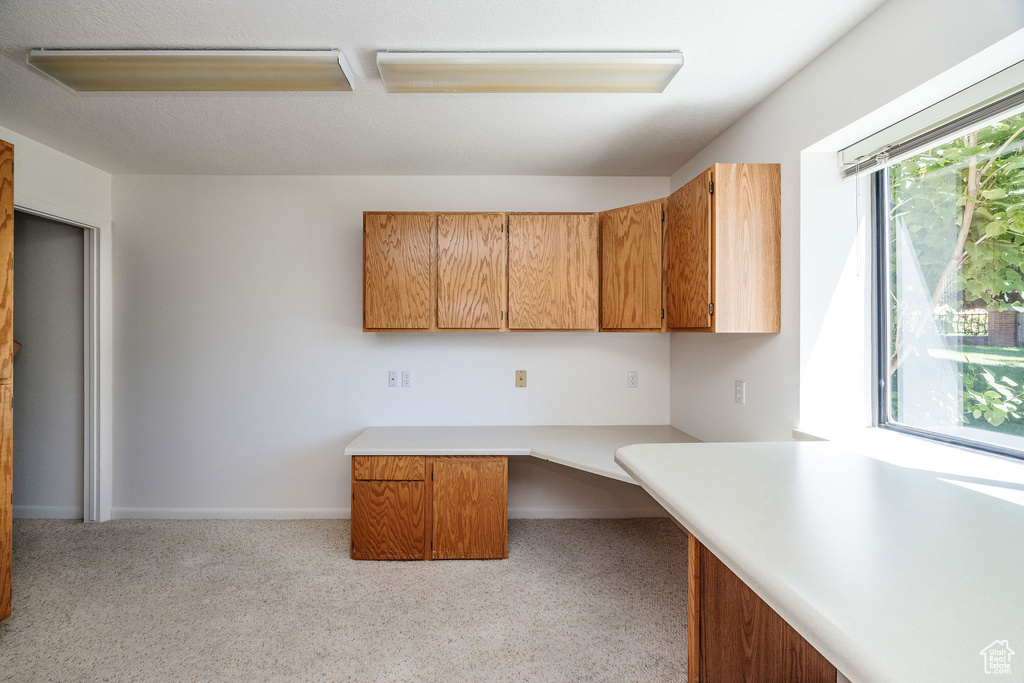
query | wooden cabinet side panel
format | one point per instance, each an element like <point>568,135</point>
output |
<point>743,639</point>
<point>398,270</point>
<point>389,467</point>
<point>6,373</point>
<point>7,262</point>
<point>6,483</point>
<point>693,610</point>
<point>388,520</point>
<point>552,276</point>
<point>748,236</point>
<point>688,231</point>
<point>470,507</point>
<point>631,267</point>
<point>470,270</point>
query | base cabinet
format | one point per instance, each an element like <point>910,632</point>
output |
<point>429,507</point>
<point>735,637</point>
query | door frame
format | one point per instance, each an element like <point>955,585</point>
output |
<point>98,376</point>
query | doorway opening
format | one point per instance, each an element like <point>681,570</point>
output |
<point>53,368</point>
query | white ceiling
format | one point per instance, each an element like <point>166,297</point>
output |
<point>735,51</point>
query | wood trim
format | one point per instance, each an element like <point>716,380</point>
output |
<point>6,374</point>
<point>693,610</point>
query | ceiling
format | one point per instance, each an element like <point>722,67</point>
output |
<point>736,52</point>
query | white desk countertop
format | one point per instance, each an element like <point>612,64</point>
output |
<point>587,448</point>
<point>893,572</point>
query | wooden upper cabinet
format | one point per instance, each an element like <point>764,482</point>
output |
<point>552,271</point>
<point>471,271</point>
<point>688,233</point>
<point>398,271</point>
<point>631,275</point>
<point>723,250</point>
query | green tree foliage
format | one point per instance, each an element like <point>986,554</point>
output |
<point>977,260</point>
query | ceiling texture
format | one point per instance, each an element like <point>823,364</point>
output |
<point>735,53</point>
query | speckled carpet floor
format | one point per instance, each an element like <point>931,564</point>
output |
<point>260,600</point>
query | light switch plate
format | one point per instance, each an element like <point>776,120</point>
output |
<point>520,378</point>
<point>392,378</point>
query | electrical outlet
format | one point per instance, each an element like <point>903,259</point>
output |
<point>741,392</point>
<point>406,379</point>
<point>520,378</point>
<point>632,379</point>
<point>392,378</point>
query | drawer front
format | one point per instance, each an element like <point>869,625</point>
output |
<point>389,467</point>
<point>388,520</point>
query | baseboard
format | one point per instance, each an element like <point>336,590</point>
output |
<point>231,513</point>
<point>586,513</point>
<point>346,513</point>
<point>47,512</point>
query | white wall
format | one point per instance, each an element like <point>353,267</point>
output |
<point>48,412</point>
<point>896,49</point>
<point>243,370</point>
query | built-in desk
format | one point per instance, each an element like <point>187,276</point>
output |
<point>442,492</point>
<point>591,449</point>
<point>892,572</point>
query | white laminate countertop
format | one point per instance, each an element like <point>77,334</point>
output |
<point>893,572</point>
<point>591,449</point>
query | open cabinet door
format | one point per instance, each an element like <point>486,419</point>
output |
<point>6,370</point>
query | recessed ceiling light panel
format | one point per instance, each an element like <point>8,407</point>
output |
<point>195,70</point>
<point>528,72</point>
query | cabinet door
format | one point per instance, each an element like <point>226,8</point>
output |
<point>398,271</point>
<point>388,520</point>
<point>552,277</point>
<point>688,235</point>
<point>631,267</point>
<point>470,507</point>
<point>470,271</point>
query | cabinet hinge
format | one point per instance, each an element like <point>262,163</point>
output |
<point>662,216</point>
<point>663,314</point>
<point>503,315</point>
<point>711,309</point>
<point>711,187</point>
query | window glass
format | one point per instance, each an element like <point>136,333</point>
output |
<point>952,288</point>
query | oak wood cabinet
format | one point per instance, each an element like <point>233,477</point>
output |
<point>470,507</point>
<point>398,271</point>
<point>631,268</point>
<point>390,508</point>
<point>552,271</point>
<point>471,271</point>
<point>734,636</point>
<point>429,507</point>
<point>723,250</point>
<point>6,372</point>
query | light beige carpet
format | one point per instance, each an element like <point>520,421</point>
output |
<point>135,600</point>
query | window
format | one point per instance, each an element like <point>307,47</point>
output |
<point>950,224</point>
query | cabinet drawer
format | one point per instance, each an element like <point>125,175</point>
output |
<point>389,467</point>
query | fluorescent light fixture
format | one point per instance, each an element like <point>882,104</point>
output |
<point>535,72</point>
<point>193,70</point>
